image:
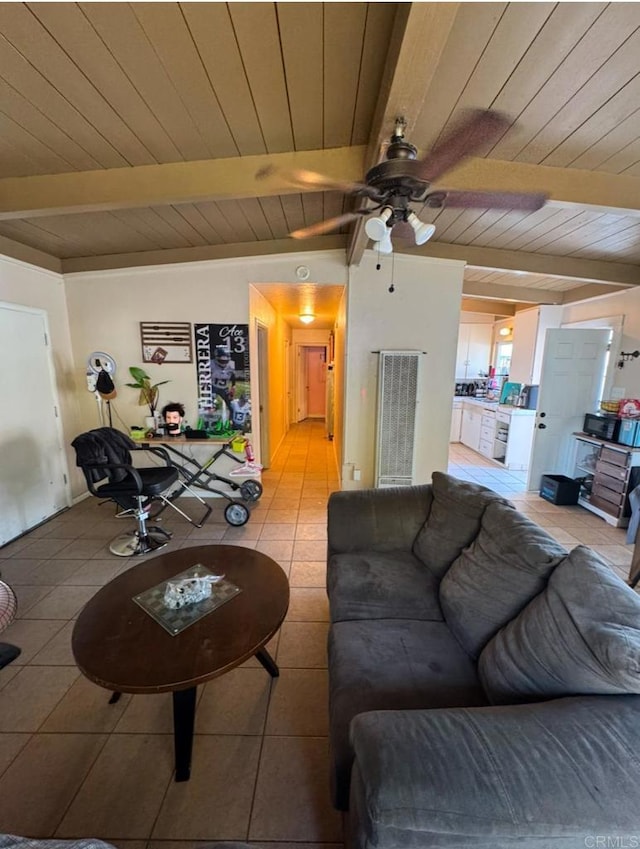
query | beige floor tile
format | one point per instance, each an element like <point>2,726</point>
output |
<point>563,536</point>
<point>292,792</point>
<point>617,555</point>
<point>8,674</point>
<point>309,549</point>
<point>215,804</point>
<point>308,604</point>
<point>53,572</point>
<point>311,532</point>
<point>308,573</point>
<point>313,515</point>
<point>29,596</point>
<point>17,571</point>
<point>41,548</point>
<point>43,779</point>
<point>299,704</point>
<point>95,573</point>
<point>251,530</point>
<point>31,635</point>
<point>278,530</point>
<point>61,603</point>
<point>123,793</point>
<point>10,746</point>
<point>85,708</point>
<point>83,548</point>
<point>144,714</point>
<point>303,645</point>
<point>281,516</point>
<point>28,699</point>
<point>234,703</point>
<point>276,549</point>
<point>57,651</point>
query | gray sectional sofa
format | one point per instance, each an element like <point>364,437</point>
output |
<point>483,680</point>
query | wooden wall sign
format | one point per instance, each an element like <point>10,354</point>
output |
<point>166,342</point>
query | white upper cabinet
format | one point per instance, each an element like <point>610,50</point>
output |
<point>529,330</point>
<point>474,350</point>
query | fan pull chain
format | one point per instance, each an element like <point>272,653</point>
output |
<point>392,288</point>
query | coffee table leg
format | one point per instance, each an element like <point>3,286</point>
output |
<point>184,713</point>
<point>268,662</point>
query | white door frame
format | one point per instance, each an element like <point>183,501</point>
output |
<point>262,335</point>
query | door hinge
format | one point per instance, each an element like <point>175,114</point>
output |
<point>46,340</point>
<point>65,478</point>
<point>55,410</point>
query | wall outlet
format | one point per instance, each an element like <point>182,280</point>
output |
<point>356,474</point>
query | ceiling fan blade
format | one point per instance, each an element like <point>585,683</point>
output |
<point>328,225</point>
<point>475,129</point>
<point>304,179</point>
<point>489,200</point>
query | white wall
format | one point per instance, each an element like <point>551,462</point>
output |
<point>423,313</point>
<point>29,286</point>
<point>626,304</point>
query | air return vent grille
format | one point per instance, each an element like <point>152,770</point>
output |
<point>396,421</point>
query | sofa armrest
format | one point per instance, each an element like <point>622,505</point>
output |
<point>377,519</point>
<point>552,773</point>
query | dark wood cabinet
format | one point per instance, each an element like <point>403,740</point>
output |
<point>615,474</point>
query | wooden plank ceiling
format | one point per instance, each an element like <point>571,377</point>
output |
<point>131,133</point>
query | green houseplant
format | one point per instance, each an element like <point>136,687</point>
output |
<point>149,392</point>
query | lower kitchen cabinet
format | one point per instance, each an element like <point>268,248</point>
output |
<point>471,425</point>
<point>609,472</point>
<point>501,434</point>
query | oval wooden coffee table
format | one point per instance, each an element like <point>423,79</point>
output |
<point>119,646</point>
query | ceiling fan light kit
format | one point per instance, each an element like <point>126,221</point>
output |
<point>401,179</point>
<point>306,317</point>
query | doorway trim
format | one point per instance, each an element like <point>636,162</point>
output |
<point>262,335</point>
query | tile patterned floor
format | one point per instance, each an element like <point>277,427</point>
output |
<point>72,765</point>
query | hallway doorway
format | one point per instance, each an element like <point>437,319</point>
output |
<point>312,382</point>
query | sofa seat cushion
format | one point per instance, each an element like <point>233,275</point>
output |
<point>550,775</point>
<point>391,664</point>
<point>454,521</point>
<point>506,565</point>
<point>381,585</point>
<point>581,635</point>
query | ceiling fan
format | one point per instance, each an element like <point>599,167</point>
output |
<point>401,179</point>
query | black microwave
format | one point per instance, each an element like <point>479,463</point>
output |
<point>602,426</point>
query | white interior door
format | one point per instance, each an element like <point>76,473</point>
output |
<point>33,473</point>
<point>570,385</point>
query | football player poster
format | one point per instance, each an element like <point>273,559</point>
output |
<point>224,392</point>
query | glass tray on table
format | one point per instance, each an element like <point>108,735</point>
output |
<point>175,621</point>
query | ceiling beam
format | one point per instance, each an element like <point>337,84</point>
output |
<point>171,183</point>
<point>590,291</point>
<point>201,253</point>
<point>557,266</point>
<point>16,250</point>
<point>618,194</point>
<point>497,291</point>
<point>418,39</point>
<point>487,307</point>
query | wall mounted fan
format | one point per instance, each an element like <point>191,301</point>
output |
<point>401,179</point>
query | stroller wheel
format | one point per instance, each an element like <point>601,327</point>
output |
<point>251,490</point>
<point>236,514</point>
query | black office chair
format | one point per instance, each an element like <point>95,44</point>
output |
<point>105,453</point>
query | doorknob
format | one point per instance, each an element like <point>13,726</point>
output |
<point>542,425</point>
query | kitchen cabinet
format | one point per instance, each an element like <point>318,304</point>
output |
<point>471,425</point>
<point>487,433</point>
<point>610,473</point>
<point>456,422</point>
<point>474,350</point>
<point>529,331</point>
<point>514,437</point>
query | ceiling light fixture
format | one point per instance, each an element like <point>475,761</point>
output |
<point>423,232</point>
<point>376,227</point>
<point>306,317</point>
<point>505,331</point>
<point>384,245</point>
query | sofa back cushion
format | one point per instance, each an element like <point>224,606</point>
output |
<point>454,521</point>
<point>506,565</point>
<point>579,636</point>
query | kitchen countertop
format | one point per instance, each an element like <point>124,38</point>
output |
<point>494,405</point>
